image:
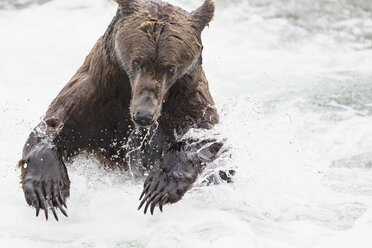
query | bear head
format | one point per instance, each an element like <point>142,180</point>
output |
<point>156,44</point>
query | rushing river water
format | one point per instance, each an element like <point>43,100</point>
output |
<point>293,83</point>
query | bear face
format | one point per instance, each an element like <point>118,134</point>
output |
<point>156,44</point>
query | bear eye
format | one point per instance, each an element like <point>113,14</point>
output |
<point>136,65</point>
<point>171,69</point>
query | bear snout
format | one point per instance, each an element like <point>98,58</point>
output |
<point>143,118</point>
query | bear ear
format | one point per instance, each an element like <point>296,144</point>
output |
<point>128,7</point>
<point>204,14</point>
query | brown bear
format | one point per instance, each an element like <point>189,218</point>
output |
<point>139,91</point>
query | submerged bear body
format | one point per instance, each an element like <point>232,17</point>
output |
<point>139,91</point>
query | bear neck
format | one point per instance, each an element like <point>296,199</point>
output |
<point>102,68</point>
<point>101,64</point>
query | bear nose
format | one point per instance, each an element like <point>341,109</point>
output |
<point>143,117</point>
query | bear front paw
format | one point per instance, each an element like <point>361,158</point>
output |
<point>47,195</point>
<point>45,181</point>
<point>163,187</point>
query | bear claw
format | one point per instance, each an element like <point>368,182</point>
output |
<point>41,198</point>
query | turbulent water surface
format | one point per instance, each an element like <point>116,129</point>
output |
<point>293,85</point>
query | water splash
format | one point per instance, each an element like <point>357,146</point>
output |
<point>132,145</point>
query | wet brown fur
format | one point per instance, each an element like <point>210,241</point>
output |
<point>92,112</point>
<point>94,105</point>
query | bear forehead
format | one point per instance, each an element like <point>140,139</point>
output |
<point>164,34</point>
<point>155,14</point>
<point>163,11</point>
